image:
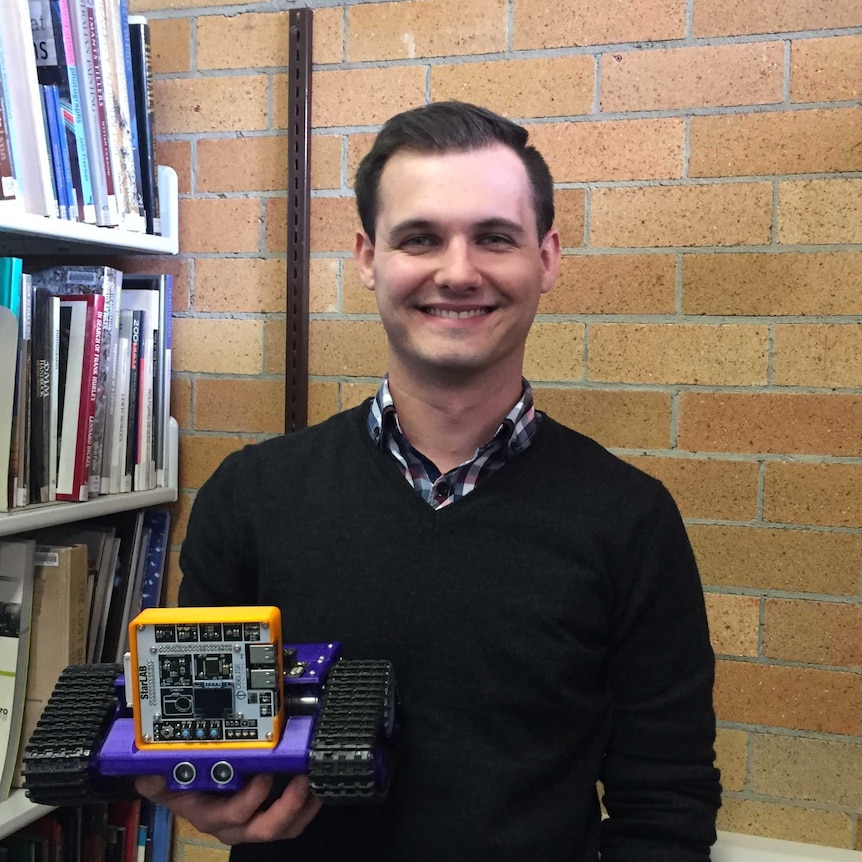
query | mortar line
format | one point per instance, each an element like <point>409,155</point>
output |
<point>785,90</point>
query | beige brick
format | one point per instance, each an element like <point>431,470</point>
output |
<point>170,45</point>
<point>173,576</point>
<point>738,17</point>
<point>734,624</point>
<point>340,98</point>
<point>328,35</point>
<point>520,88</point>
<point>786,822</point>
<point>200,455</point>
<point>240,284</point>
<point>794,697</point>
<point>430,28</point>
<point>353,394</point>
<point>347,348</point>
<point>811,769</point>
<point>772,284</point>
<point>181,401</point>
<point>664,79</point>
<point>611,149</point>
<point>823,494</point>
<point>569,216</point>
<point>826,70</point>
<point>276,225</point>
<point>731,757</point>
<point>219,225</point>
<point>555,351</point>
<point>678,353</point>
<point>274,337</point>
<point>622,419</point>
<point>827,633</point>
<point>793,424</point>
<point>799,561</point>
<point>178,155</point>
<point>820,211</point>
<point>548,24</point>
<point>726,214</point>
<point>613,284</point>
<point>358,146</point>
<point>358,299</point>
<point>218,346</point>
<point>254,406</point>
<point>253,40</point>
<point>242,164</point>
<point>326,161</point>
<point>322,401</point>
<point>193,105</point>
<point>706,488</point>
<point>280,119</point>
<point>333,224</point>
<point>323,285</point>
<point>825,355</point>
<point>795,142</point>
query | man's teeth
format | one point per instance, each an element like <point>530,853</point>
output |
<point>446,312</point>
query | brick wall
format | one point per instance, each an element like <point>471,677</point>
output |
<point>707,324</point>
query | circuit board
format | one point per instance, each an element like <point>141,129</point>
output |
<point>207,677</point>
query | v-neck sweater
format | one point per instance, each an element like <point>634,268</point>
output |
<point>547,631</point>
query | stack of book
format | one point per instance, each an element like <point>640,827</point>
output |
<point>76,135</point>
<point>84,382</point>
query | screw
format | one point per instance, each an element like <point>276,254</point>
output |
<point>147,738</point>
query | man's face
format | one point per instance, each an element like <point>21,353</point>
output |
<point>457,266</point>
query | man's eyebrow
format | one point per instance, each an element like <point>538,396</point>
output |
<point>492,223</point>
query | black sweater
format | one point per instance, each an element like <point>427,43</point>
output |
<point>547,631</point>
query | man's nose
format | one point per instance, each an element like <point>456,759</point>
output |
<point>457,268</point>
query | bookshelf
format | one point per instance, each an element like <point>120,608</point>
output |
<point>26,234</point>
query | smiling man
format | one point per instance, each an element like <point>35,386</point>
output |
<point>537,596</point>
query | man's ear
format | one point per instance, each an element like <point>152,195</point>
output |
<point>550,253</point>
<point>363,255</point>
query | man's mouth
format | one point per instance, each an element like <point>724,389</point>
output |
<point>456,315</point>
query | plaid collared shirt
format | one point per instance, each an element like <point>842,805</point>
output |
<point>515,434</point>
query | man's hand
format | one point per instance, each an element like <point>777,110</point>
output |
<point>237,818</point>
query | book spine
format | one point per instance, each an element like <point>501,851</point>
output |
<point>83,22</point>
<point>121,120</point>
<point>112,383</point>
<point>73,116</point>
<point>58,182</point>
<point>21,483</point>
<point>40,398</point>
<point>120,413</point>
<point>134,406</point>
<point>89,391</point>
<point>8,184</point>
<point>139,36</point>
<point>100,424</point>
<point>72,183</point>
<point>133,112</point>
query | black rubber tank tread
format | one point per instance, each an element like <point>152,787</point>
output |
<point>353,742</point>
<point>60,758</point>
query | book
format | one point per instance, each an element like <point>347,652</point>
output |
<point>67,74</point>
<point>58,631</point>
<point>148,302</point>
<point>24,119</point>
<point>16,597</point>
<point>72,198</point>
<point>125,36</point>
<point>50,831</point>
<point>142,81</point>
<point>10,201</point>
<point>102,598</point>
<point>105,281</point>
<point>81,332</point>
<point>158,522</point>
<point>8,378</point>
<point>111,46</point>
<point>120,415</point>
<point>55,161</point>
<point>162,285</point>
<point>44,384</point>
<point>19,459</point>
<point>82,15</point>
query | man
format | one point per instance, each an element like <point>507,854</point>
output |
<point>537,596</point>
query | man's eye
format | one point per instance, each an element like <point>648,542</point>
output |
<point>417,242</point>
<point>493,239</point>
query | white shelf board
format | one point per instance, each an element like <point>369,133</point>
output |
<point>24,233</point>
<point>18,811</point>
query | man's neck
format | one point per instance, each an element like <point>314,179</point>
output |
<point>446,423</point>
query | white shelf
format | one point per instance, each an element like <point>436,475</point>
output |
<point>24,233</point>
<point>48,514</point>
<point>18,811</point>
